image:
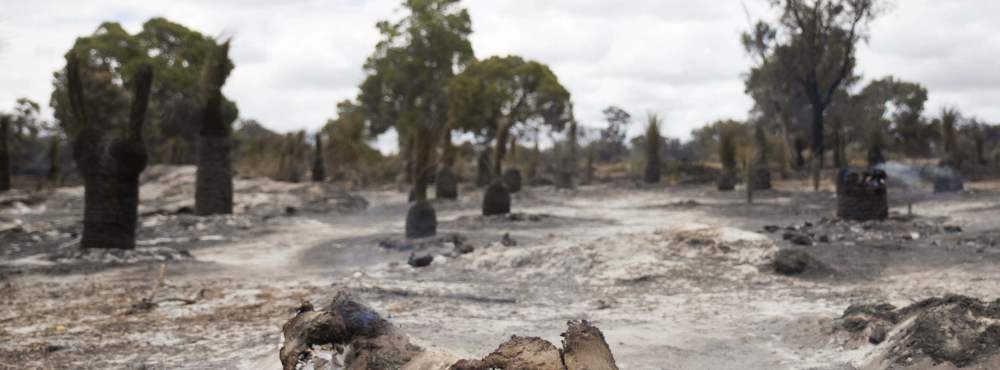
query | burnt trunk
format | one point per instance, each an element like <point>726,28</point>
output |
<point>422,169</point>
<point>214,179</point>
<point>53,175</point>
<point>483,172</point>
<point>319,168</point>
<point>500,152</point>
<point>819,147</point>
<point>214,182</point>
<point>4,154</point>
<point>110,206</point>
<point>110,164</point>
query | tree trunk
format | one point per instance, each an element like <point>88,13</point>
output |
<point>110,166</point>
<point>503,132</point>
<point>838,145</point>
<point>818,144</point>
<point>483,172</point>
<point>4,154</point>
<point>319,168</point>
<point>422,145</point>
<point>53,175</point>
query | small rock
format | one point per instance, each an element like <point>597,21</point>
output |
<point>291,211</point>
<point>420,261</point>
<point>801,239</point>
<point>507,241</point>
<point>824,239</point>
<point>952,229</point>
<point>464,249</point>
<point>878,335</point>
<point>772,228</point>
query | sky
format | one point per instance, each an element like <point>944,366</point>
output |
<point>295,59</point>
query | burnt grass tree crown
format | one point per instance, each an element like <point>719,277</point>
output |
<point>110,160</point>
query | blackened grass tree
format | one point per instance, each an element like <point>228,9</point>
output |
<point>319,166</point>
<point>214,179</point>
<point>653,140</point>
<point>110,158</point>
<point>5,175</point>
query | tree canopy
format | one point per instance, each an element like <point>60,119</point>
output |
<point>109,58</point>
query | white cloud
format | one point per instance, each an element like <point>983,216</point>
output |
<point>681,58</point>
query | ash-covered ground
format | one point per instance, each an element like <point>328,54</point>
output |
<point>675,277</point>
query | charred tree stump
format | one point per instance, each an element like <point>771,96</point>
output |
<point>496,200</point>
<point>421,220</point>
<point>4,153</point>
<point>761,179</point>
<point>446,184</point>
<point>512,178</point>
<point>214,178</point>
<point>862,195</point>
<point>726,181</point>
<point>110,161</point>
<point>319,167</point>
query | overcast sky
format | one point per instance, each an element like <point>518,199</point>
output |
<point>296,58</point>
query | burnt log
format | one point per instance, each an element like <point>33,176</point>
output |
<point>110,160</point>
<point>214,178</point>
<point>421,220</point>
<point>584,348</point>
<point>496,200</point>
<point>446,184</point>
<point>862,195</point>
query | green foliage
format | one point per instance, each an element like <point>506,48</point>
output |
<point>348,154</point>
<point>177,56</point>
<point>409,72</point>
<point>493,96</point>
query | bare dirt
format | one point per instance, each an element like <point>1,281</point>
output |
<point>675,277</point>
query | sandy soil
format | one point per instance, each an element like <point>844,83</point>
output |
<point>675,277</point>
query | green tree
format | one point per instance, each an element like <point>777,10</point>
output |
<point>110,57</point>
<point>493,96</point>
<point>815,43</point>
<point>408,75</point>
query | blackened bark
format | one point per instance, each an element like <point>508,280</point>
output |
<point>214,182</point>
<point>214,179</point>
<point>319,168</point>
<point>110,164</point>
<point>53,174</point>
<point>4,154</point>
